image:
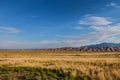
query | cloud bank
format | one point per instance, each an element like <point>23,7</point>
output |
<point>104,30</point>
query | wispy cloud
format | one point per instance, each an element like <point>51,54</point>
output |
<point>94,20</point>
<point>103,29</point>
<point>104,33</point>
<point>9,30</point>
<point>112,4</point>
<point>78,28</point>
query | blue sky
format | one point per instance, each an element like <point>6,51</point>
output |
<point>26,24</point>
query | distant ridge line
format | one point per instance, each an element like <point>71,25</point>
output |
<point>81,49</point>
<point>103,47</point>
<point>88,49</point>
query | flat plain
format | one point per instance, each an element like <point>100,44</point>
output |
<point>75,65</point>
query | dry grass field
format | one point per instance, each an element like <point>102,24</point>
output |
<point>94,65</point>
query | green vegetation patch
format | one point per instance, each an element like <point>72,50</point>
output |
<point>29,73</point>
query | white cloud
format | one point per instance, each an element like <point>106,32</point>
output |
<point>109,30</point>
<point>95,20</point>
<point>104,33</point>
<point>108,33</point>
<point>103,30</point>
<point>112,4</point>
<point>9,30</point>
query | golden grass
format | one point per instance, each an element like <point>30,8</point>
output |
<point>101,65</point>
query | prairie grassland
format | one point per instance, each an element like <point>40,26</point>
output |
<point>96,65</point>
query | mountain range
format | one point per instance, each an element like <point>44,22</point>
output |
<point>103,45</point>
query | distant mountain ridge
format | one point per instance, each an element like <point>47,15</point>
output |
<point>103,45</point>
